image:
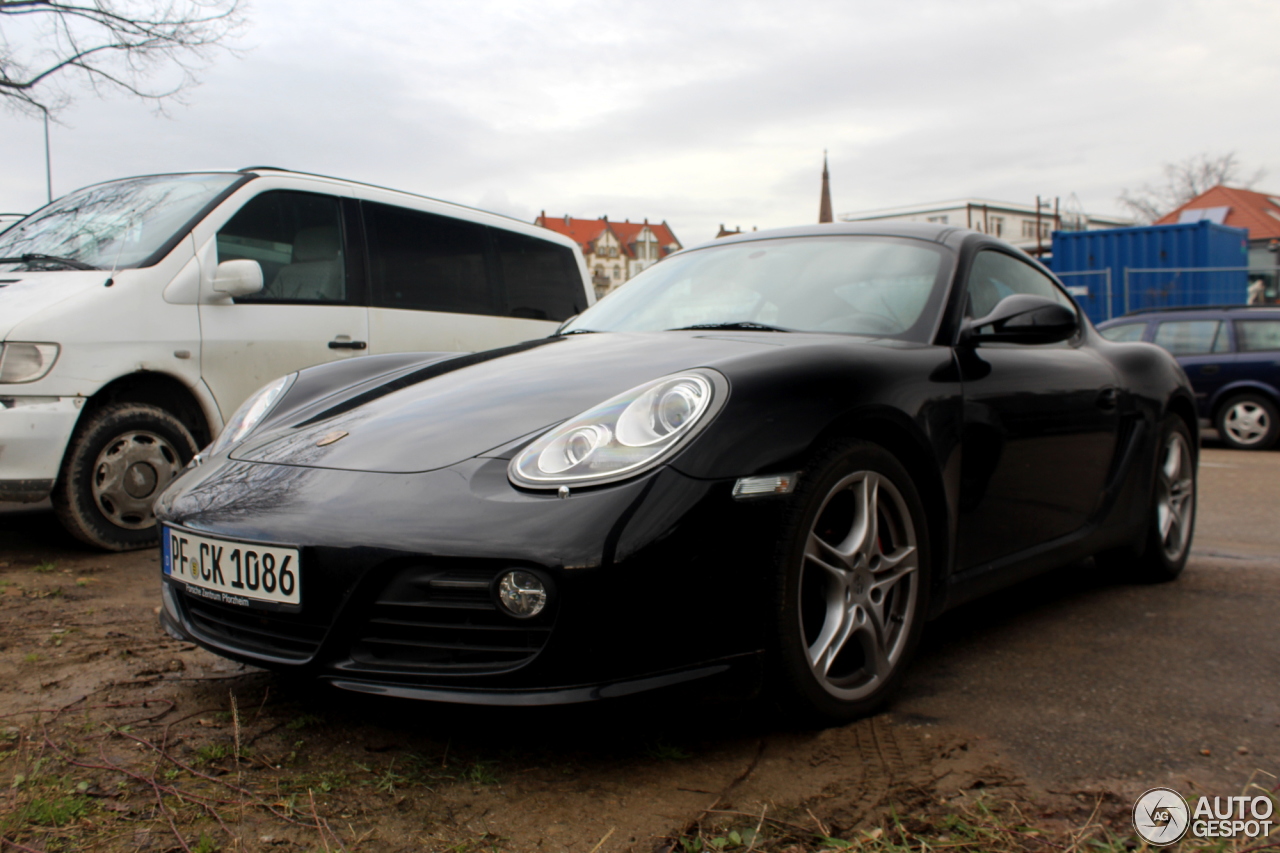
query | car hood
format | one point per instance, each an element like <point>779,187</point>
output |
<point>25,294</point>
<point>463,407</point>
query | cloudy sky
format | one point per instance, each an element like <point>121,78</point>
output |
<point>701,112</point>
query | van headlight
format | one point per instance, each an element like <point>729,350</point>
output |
<point>22,362</point>
<point>252,412</point>
<point>624,435</point>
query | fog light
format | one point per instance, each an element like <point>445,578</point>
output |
<point>522,594</point>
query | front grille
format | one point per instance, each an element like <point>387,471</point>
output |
<point>445,620</point>
<point>278,635</point>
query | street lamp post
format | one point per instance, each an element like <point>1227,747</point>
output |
<point>48,163</point>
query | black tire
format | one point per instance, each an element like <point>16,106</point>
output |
<point>876,598</point>
<point>1248,422</point>
<point>119,460</point>
<point>1161,553</point>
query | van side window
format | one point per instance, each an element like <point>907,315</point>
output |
<point>540,277</point>
<point>296,237</point>
<point>427,262</point>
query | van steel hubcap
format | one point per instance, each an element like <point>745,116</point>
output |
<point>858,585</point>
<point>128,475</point>
<point>1175,497</point>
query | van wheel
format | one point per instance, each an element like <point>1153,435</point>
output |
<point>1248,422</point>
<point>119,461</point>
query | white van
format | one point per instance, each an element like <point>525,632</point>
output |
<point>137,315</point>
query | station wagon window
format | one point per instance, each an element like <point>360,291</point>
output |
<point>1124,333</point>
<point>540,278</point>
<point>995,275</point>
<point>296,238</point>
<point>427,262</point>
<point>1258,335</point>
<point>1192,337</point>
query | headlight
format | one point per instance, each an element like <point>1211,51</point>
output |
<point>623,436</point>
<point>250,414</point>
<point>26,362</point>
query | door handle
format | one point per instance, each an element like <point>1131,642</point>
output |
<point>1107,398</point>
<point>1208,369</point>
<point>348,345</point>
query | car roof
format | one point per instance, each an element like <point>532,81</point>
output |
<point>945,234</point>
<point>1144,315</point>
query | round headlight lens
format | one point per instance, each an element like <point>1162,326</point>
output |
<point>622,436</point>
<point>522,594</point>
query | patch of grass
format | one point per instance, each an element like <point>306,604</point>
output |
<point>49,810</point>
<point>31,657</point>
<point>211,752</point>
<point>480,772</point>
<point>303,721</point>
<point>45,567</point>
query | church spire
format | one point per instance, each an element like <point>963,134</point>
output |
<point>824,208</point>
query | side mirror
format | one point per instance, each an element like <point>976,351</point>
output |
<point>238,278</point>
<point>1023,319</point>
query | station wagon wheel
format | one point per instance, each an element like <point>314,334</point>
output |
<point>1248,422</point>
<point>854,584</point>
<point>119,461</point>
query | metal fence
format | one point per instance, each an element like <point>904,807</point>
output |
<point>1166,287</point>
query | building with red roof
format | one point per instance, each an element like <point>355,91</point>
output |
<point>1238,208</point>
<point>614,251</point>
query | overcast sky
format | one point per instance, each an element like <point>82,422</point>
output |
<point>702,112</point>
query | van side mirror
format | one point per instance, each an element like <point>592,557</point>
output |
<point>238,278</point>
<point>1023,319</point>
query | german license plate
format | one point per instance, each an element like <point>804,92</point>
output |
<point>243,573</point>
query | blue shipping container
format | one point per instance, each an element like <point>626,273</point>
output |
<point>1165,264</point>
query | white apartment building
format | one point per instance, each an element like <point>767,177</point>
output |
<point>1015,223</point>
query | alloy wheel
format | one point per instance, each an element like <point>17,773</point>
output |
<point>1247,422</point>
<point>859,582</point>
<point>1175,496</point>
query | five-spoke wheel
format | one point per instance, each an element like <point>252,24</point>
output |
<point>853,582</point>
<point>1248,422</point>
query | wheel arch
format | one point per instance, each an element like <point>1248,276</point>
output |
<point>903,438</point>
<point>155,389</point>
<point>1246,386</point>
<point>1185,408</point>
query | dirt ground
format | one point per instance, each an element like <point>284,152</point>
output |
<point>1029,721</point>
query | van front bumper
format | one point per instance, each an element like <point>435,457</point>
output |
<point>34,432</point>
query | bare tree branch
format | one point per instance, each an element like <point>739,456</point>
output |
<point>1184,181</point>
<point>150,49</point>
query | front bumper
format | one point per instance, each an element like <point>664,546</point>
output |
<point>34,432</point>
<point>654,582</point>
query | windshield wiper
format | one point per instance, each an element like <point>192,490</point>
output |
<point>736,325</point>
<point>49,259</point>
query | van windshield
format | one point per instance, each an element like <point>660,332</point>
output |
<point>115,225</point>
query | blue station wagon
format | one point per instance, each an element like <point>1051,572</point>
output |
<point>1231,355</point>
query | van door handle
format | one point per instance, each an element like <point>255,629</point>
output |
<point>1207,369</point>
<point>348,345</point>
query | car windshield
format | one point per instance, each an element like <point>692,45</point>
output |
<point>109,226</point>
<point>880,286</point>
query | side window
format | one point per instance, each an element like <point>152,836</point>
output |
<point>995,275</point>
<point>297,240</point>
<point>1189,337</point>
<point>427,262</point>
<point>540,278</point>
<point>1124,333</point>
<point>1258,335</point>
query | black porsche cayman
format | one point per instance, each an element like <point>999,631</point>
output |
<point>777,454</point>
